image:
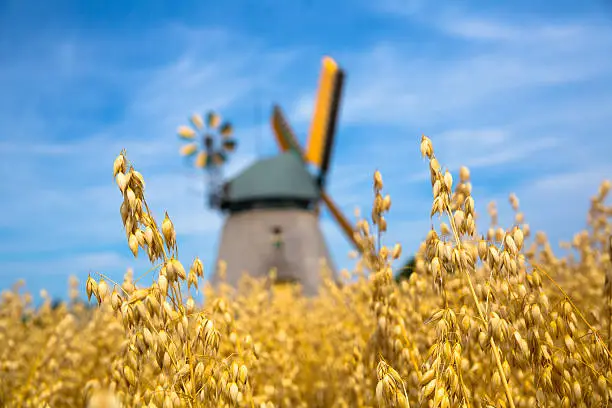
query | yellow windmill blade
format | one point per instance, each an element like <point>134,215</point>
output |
<point>226,130</point>
<point>201,160</point>
<point>323,128</point>
<point>185,132</point>
<point>322,112</point>
<point>189,149</point>
<point>229,145</point>
<point>213,120</point>
<point>197,121</point>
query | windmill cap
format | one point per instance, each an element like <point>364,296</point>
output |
<point>283,177</point>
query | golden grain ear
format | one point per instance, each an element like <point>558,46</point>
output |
<point>482,321</point>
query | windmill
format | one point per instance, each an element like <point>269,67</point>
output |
<point>273,206</point>
<point>209,143</point>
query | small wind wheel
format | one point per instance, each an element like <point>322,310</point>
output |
<point>214,144</point>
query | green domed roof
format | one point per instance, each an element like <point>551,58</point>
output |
<point>280,178</point>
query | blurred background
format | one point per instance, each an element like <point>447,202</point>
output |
<point>520,93</point>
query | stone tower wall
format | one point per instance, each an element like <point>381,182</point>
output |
<point>246,245</point>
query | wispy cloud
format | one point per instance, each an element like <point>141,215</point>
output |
<point>489,147</point>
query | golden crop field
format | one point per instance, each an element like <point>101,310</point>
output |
<point>484,321</point>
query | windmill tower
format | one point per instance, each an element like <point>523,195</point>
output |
<point>272,207</point>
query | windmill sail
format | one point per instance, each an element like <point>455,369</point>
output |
<point>285,137</point>
<point>345,224</point>
<point>323,127</point>
<point>211,145</point>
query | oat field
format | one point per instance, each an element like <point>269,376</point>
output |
<point>485,321</point>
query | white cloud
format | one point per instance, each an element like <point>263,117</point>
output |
<point>51,273</point>
<point>488,147</point>
<point>534,32</point>
<point>73,264</point>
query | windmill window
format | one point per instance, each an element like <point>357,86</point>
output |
<point>277,236</point>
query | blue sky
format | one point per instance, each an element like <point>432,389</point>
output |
<point>522,95</point>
